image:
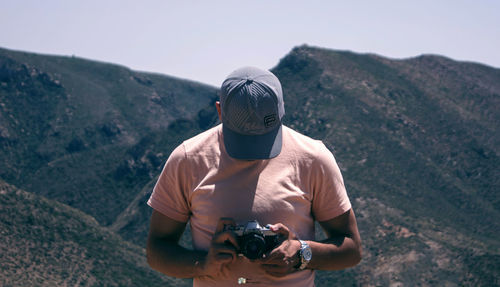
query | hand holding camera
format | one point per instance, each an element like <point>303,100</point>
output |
<point>254,241</point>
<point>286,258</point>
<point>222,251</point>
<point>274,247</point>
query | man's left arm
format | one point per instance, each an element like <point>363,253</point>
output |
<point>341,249</point>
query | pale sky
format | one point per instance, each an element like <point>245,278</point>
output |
<point>206,40</point>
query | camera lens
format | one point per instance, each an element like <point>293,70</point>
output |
<point>254,246</point>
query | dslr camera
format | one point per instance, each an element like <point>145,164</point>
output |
<point>253,239</point>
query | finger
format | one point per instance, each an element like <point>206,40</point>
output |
<point>221,256</point>
<point>273,257</point>
<point>224,249</point>
<point>280,228</point>
<point>226,237</point>
<point>283,231</point>
<point>224,258</point>
<point>223,221</point>
<point>277,257</point>
<point>277,254</point>
<point>225,270</point>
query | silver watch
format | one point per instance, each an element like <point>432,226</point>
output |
<point>305,254</point>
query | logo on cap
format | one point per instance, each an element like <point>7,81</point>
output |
<point>269,120</point>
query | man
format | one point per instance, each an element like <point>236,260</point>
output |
<point>251,167</point>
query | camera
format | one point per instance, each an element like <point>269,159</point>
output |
<point>253,239</point>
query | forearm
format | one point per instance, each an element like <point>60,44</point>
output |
<point>171,259</point>
<point>335,253</point>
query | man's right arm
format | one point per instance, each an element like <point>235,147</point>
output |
<point>165,255</point>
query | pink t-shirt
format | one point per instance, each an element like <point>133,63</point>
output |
<point>202,183</point>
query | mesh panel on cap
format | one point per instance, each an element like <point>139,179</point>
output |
<point>251,109</point>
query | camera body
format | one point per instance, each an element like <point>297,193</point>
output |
<point>253,239</point>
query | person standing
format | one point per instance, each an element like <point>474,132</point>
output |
<point>251,167</point>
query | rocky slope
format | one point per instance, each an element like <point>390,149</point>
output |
<point>67,124</point>
<point>46,243</point>
<point>417,141</point>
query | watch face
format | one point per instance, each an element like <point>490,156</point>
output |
<point>307,254</point>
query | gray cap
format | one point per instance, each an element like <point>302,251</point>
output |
<point>252,108</point>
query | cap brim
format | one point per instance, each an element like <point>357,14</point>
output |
<point>252,147</point>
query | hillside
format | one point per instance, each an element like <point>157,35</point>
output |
<point>422,131</point>
<point>46,243</point>
<point>66,125</point>
<point>417,141</point>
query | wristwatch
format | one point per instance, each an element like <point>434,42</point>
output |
<point>305,254</point>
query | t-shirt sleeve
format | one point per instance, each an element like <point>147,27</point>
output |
<point>170,194</point>
<point>330,196</point>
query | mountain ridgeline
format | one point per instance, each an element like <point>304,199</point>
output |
<point>417,141</point>
<point>78,131</point>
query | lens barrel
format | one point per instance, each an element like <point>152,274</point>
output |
<point>254,246</point>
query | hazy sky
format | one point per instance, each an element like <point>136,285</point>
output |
<point>206,40</point>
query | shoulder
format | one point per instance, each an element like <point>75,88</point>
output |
<point>198,152</point>
<point>203,142</point>
<point>194,155</point>
<point>302,145</point>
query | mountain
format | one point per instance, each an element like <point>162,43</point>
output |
<point>418,143</point>
<point>67,125</point>
<point>416,139</point>
<point>47,243</point>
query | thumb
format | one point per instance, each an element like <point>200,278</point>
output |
<point>281,229</point>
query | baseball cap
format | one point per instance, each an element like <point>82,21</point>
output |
<point>252,108</point>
